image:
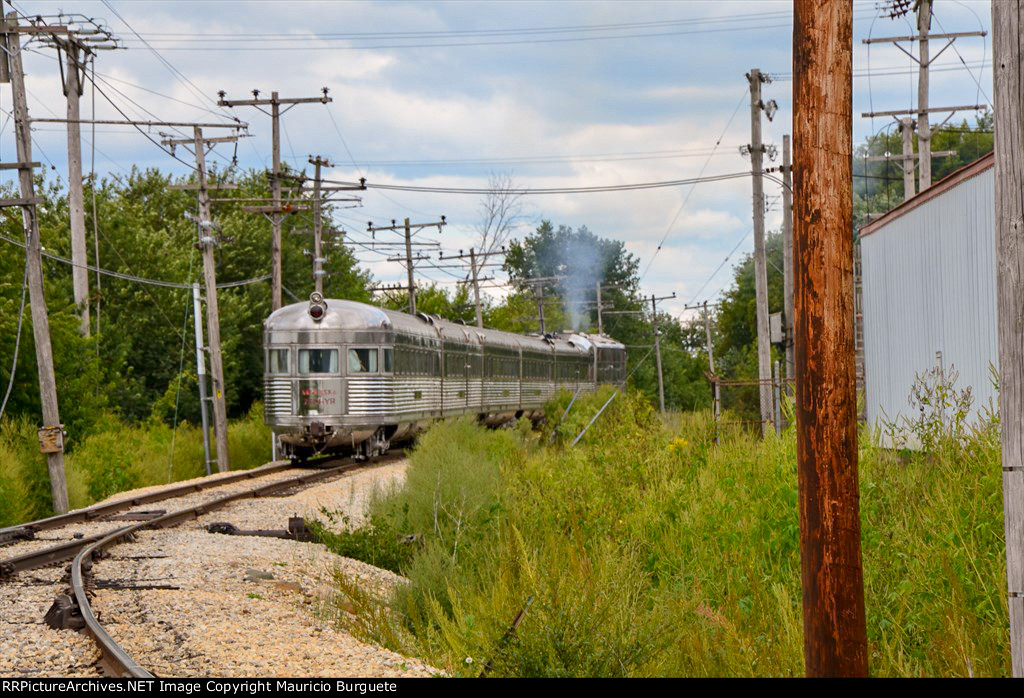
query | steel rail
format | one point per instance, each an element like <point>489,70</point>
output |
<point>115,659</point>
<point>26,531</point>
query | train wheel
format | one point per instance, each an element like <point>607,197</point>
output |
<point>376,445</point>
<point>298,455</point>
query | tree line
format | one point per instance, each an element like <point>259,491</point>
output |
<point>139,363</point>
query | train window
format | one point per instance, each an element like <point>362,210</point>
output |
<point>277,361</point>
<point>318,361</point>
<point>362,360</point>
<point>389,360</point>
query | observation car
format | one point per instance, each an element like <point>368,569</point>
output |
<point>342,376</point>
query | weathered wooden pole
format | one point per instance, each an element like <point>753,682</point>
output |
<point>835,636</point>
<point>1008,63</point>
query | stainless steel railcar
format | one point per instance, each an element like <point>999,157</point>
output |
<point>342,376</point>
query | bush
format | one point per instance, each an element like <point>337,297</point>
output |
<point>117,457</point>
<point>648,550</point>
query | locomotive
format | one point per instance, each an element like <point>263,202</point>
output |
<point>346,377</point>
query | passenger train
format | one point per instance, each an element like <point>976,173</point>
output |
<point>346,377</point>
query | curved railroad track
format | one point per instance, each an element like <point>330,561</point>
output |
<point>75,605</point>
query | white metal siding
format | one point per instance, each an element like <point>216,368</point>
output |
<point>929,285</point>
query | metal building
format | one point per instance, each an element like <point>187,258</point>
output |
<point>929,293</point>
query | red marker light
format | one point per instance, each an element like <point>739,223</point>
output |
<point>316,311</point>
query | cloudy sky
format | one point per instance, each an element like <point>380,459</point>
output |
<point>558,94</point>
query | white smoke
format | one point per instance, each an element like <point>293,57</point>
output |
<point>583,264</point>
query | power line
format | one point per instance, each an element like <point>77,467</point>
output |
<point>550,159</point>
<point>302,41</point>
<point>690,192</point>
<point>133,278</point>
<point>17,339</point>
<point>559,190</point>
<point>174,71</point>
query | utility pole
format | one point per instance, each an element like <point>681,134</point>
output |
<point>207,241</point>
<point>276,214</point>
<point>76,199</point>
<point>476,288</point>
<point>715,388</point>
<point>78,47</point>
<point>717,408</point>
<point>764,347</point>
<point>51,435</point>
<point>407,228</point>
<point>787,255</point>
<point>835,635</point>
<point>923,60</point>
<point>409,267</point>
<point>201,373</point>
<point>600,323</point>
<point>318,258</point>
<point>1008,63</point>
<point>924,130</point>
<point>907,158</point>
<point>657,347</point>
<point>477,262</point>
<point>540,309</point>
<point>907,131</point>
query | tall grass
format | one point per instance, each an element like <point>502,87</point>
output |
<point>648,551</point>
<point>116,458</point>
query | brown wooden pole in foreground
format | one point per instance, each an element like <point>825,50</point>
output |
<point>1008,62</point>
<point>835,636</point>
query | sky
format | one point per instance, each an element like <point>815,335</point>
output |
<point>443,94</point>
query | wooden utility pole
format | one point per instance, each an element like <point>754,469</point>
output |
<point>764,347</point>
<point>51,435</point>
<point>410,261</point>
<point>277,214</point>
<point>835,636</point>
<point>907,130</point>
<point>717,407</point>
<point>600,322</point>
<point>923,60</point>
<point>477,262</point>
<point>409,267</point>
<point>78,47</point>
<point>318,257</point>
<point>1008,63</point>
<point>76,199</point>
<point>207,241</point>
<point>201,374</point>
<point>924,129</point>
<point>476,288</point>
<point>787,256</point>
<point>657,347</point>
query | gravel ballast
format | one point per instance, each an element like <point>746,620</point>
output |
<point>238,606</point>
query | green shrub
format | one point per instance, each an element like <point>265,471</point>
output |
<point>115,458</point>
<point>648,550</point>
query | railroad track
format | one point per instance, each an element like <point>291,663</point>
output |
<point>113,659</point>
<point>27,531</point>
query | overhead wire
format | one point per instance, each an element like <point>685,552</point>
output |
<point>17,339</point>
<point>692,187</point>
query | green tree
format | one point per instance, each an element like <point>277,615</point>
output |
<point>736,340</point>
<point>878,185</point>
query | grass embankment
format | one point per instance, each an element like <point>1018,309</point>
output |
<point>116,458</point>
<point>649,551</point>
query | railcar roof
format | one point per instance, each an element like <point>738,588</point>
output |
<point>352,315</point>
<point>340,315</point>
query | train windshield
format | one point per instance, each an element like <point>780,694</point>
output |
<point>318,361</point>
<point>277,361</point>
<point>362,360</point>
